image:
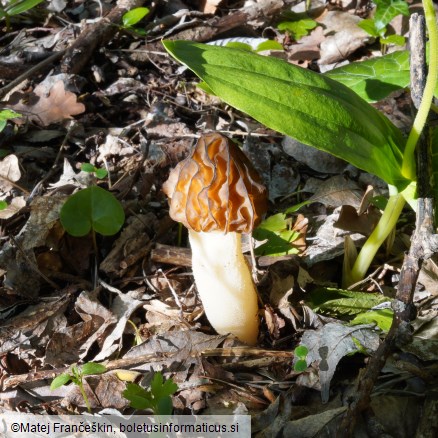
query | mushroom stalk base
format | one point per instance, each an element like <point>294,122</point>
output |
<point>225,285</point>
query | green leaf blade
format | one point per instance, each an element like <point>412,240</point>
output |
<point>22,6</point>
<point>387,10</point>
<point>87,167</point>
<point>382,317</point>
<point>339,302</point>
<point>92,208</point>
<point>59,381</point>
<point>300,365</point>
<point>139,398</point>
<point>376,78</point>
<point>311,108</point>
<point>133,16</point>
<point>92,368</point>
<point>301,351</point>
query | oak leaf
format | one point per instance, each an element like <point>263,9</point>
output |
<point>45,108</point>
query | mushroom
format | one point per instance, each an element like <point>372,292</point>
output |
<point>217,194</point>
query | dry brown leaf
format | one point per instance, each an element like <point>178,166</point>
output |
<point>338,190</point>
<point>343,36</point>
<point>14,207</point>
<point>307,48</point>
<point>209,6</point>
<point>350,220</point>
<point>63,347</point>
<point>46,108</point>
<point>108,390</point>
<point>9,172</point>
<point>361,220</point>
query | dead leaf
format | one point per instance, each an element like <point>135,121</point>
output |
<point>329,344</point>
<point>336,191</point>
<point>350,220</point>
<point>343,36</point>
<point>307,48</point>
<point>64,345</point>
<point>9,172</point>
<point>322,424</point>
<point>209,6</point>
<point>122,308</point>
<point>89,308</point>
<point>45,108</point>
<point>284,180</point>
<point>328,242</point>
<point>273,322</point>
<point>108,390</point>
<point>320,161</point>
<point>187,344</point>
<point>14,207</point>
<point>361,220</point>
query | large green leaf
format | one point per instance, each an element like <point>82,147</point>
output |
<point>312,108</point>
<point>339,302</point>
<point>375,78</point>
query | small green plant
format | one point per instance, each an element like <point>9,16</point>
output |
<point>3,205</point>
<point>157,398</point>
<point>76,376</point>
<point>386,11</point>
<point>5,115</point>
<point>300,353</point>
<point>323,113</point>
<point>297,25</point>
<point>98,172</point>
<point>132,17</point>
<point>92,209</point>
<point>279,235</point>
<point>137,335</point>
<point>16,7</point>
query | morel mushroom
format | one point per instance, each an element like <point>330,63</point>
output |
<point>217,194</point>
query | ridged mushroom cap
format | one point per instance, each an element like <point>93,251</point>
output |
<point>216,188</point>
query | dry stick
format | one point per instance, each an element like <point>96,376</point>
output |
<point>132,362</point>
<point>424,244</point>
<point>31,72</point>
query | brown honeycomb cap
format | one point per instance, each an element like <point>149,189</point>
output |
<point>216,188</point>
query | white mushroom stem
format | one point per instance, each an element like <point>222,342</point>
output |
<point>225,285</point>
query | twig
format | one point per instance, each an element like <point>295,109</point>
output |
<point>54,167</point>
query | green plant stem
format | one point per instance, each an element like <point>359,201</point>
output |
<point>386,223</point>
<point>84,395</point>
<point>408,166</point>
<point>396,202</point>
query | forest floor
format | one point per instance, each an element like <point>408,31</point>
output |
<point>101,103</point>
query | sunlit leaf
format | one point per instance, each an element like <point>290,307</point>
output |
<point>375,78</point>
<point>338,302</point>
<point>133,16</point>
<point>59,381</point>
<point>92,368</point>
<point>92,208</point>
<point>382,317</point>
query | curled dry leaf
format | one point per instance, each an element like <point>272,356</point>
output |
<point>14,207</point>
<point>46,108</point>
<point>9,172</point>
<point>209,6</point>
